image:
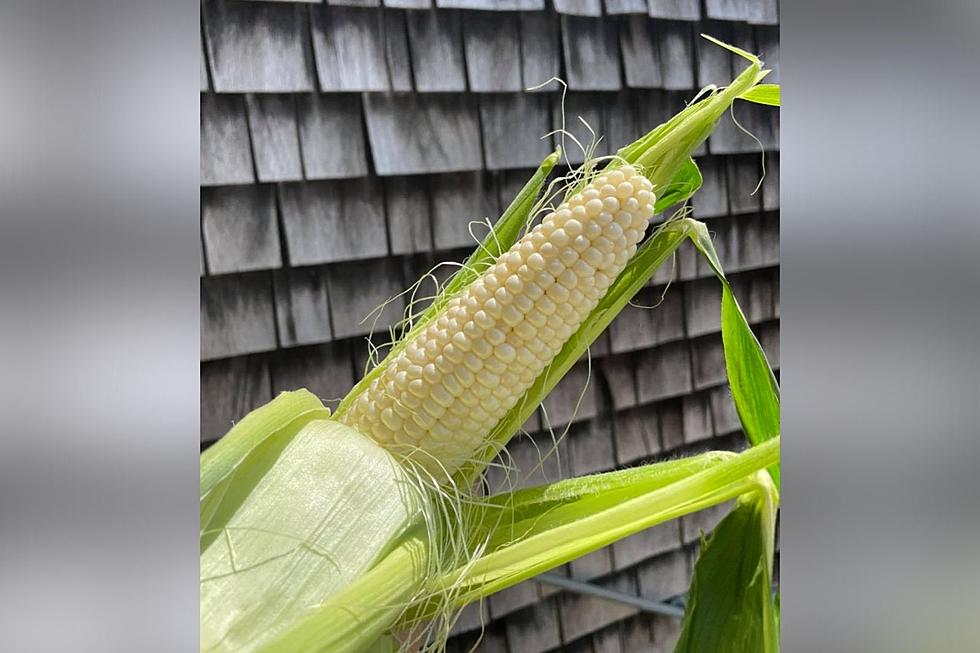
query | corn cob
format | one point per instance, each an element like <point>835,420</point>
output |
<point>439,397</point>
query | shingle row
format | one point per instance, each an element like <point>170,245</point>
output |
<point>288,48</point>
<point>275,138</point>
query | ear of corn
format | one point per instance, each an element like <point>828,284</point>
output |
<point>438,398</point>
<point>314,537</point>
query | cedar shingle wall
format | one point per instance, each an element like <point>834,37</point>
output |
<point>345,148</point>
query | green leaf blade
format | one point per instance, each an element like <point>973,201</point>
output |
<point>730,607</point>
<point>767,94</point>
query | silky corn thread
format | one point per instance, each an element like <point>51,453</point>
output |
<point>437,400</point>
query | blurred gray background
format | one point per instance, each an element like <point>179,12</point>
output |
<point>346,147</point>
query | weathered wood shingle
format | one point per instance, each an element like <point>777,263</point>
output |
<point>226,156</point>
<point>591,8</point>
<point>332,136</point>
<point>357,289</point>
<point>349,46</point>
<point>258,47</point>
<point>663,372</point>
<point>515,129</point>
<point>230,389</point>
<point>459,200</point>
<point>614,7</point>
<point>407,208</point>
<point>675,9</point>
<point>333,221</point>
<point>540,54</point>
<point>676,54</point>
<point>302,307</point>
<point>412,134</point>
<point>491,42</point>
<point>275,137</point>
<point>237,315</point>
<point>591,53</point>
<point>324,370</point>
<point>753,11</point>
<point>641,53</point>
<point>240,228</point>
<point>435,40</point>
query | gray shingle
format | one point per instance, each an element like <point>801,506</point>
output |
<point>579,7</point>
<point>457,200</point>
<point>407,207</point>
<point>708,361</point>
<point>437,50</point>
<point>676,54</point>
<point>582,614</point>
<point>770,185</point>
<point>767,39</point>
<point>680,267</point>
<point>230,389</point>
<point>332,136</point>
<point>260,47</point>
<point>637,436</point>
<point>676,9</point>
<point>239,227</point>
<point>530,461</point>
<point>492,639</point>
<point>748,234</point>
<point>513,598</point>
<point>413,134</point>
<point>753,11</point>
<point>396,50</point>
<point>578,107</point>
<point>408,4</point>
<point>641,53</point>
<point>226,156</point>
<point>714,61</point>
<point>471,617</point>
<point>591,565</point>
<point>354,3</point>
<point>573,398</point>
<point>608,640</point>
<point>333,221</point>
<point>591,53</point>
<point>744,174</point>
<point>534,629</point>
<point>663,372</point>
<point>664,576</point>
<point>237,315</point>
<point>539,49</point>
<point>697,418</point>
<point>723,413</point>
<point>349,46</point>
<point>324,370</point>
<point>631,329</point>
<point>302,308</point>
<point>275,137</point>
<point>492,5</point>
<point>666,632</point>
<point>205,84</point>
<point>671,424</point>
<point>515,126</point>
<point>356,289</point>
<point>647,543</point>
<point>775,292</point>
<point>614,7</point>
<point>770,238</point>
<point>702,306</point>
<point>711,200</point>
<point>619,374</point>
<point>493,53</point>
<point>637,633</point>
